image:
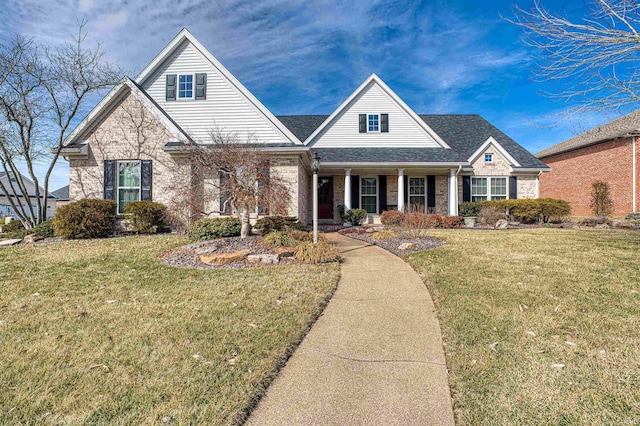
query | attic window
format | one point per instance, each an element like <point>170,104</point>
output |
<point>374,122</point>
<point>488,158</point>
<point>185,86</point>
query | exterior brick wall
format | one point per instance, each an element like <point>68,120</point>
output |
<point>573,173</point>
<point>442,195</point>
<point>287,169</point>
<point>527,186</point>
<point>129,132</point>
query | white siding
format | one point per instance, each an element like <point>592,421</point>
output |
<point>404,132</point>
<point>225,108</point>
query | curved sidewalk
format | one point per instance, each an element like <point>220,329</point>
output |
<point>374,357</point>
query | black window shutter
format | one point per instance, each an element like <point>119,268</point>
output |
<point>171,87</point>
<point>466,189</point>
<point>201,86</point>
<point>382,188</point>
<point>146,178</point>
<point>355,192</point>
<point>363,123</point>
<point>406,191</point>
<point>431,191</point>
<point>109,180</point>
<point>513,187</point>
<point>223,195</point>
<point>384,123</point>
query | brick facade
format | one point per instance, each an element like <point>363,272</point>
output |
<point>573,173</point>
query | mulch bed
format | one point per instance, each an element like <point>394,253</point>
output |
<point>189,256</point>
<point>392,244</point>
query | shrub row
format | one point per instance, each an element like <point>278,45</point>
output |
<point>416,220</point>
<point>207,229</point>
<point>523,210</point>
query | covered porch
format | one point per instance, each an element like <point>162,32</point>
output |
<point>378,189</point>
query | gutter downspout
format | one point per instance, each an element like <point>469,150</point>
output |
<point>538,184</point>
<point>634,174</point>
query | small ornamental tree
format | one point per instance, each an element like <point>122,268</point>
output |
<point>236,179</point>
<point>601,201</point>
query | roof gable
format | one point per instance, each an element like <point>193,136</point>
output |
<point>111,100</point>
<point>494,143</point>
<point>406,129</point>
<point>229,106</point>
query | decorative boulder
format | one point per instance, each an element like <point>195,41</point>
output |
<point>407,246</point>
<point>266,259</point>
<point>221,259</point>
<point>502,224</point>
<point>285,252</point>
<point>32,238</point>
<point>8,242</point>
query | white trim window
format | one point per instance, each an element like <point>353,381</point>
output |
<point>489,188</point>
<point>185,86</point>
<point>369,194</point>
<point>373,123</point>
<point>129,176</point>
<point>417,194</point>
<point>488,157</point>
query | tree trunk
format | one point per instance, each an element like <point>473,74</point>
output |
<point>246,225</point>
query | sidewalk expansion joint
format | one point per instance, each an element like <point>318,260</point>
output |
<point>346,358</point>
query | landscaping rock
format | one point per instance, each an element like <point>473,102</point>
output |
<point>266,259</point>
<point>32,238</point>
<point>285,252</point>
<point>502,224</point>
<point>9,242</point>
<point>407,246</point>
<point>371,230</point>
<point>224,258</point>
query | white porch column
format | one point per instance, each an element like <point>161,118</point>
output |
<point>347,190</point>
<point>453,192</point>
<point>401,200</point>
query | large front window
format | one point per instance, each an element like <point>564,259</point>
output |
<point>128,183</point>
<point>488,188</point>
<point>185,86</point>
<point>369,194</point>
<point>417,194</point>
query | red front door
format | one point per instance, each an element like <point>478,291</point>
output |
<point>325,197</point>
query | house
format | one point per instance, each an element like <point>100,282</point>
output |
<point>376,152</point>
<point>10,182</point>
<point>606,153</point>
<point>61,195</point>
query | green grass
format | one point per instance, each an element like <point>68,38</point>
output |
<point>102,332</point>
<point>532,291</point>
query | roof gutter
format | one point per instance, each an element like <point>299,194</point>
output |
<point>361,164</point>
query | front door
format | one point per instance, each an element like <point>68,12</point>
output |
<point>325,197</point>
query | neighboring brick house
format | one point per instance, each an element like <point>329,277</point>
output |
<point>606,153</point>
<point>376,152</point>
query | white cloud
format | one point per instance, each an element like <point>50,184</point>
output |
<point>111,21</point>
<point>85,5</point>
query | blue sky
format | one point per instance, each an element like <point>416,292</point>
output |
<point>306,57</point>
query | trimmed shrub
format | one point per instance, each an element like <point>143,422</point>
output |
<point>353,230</point>
<point>45,229</point>
<point>451,222</point>
<point>13,226</point>
<point>88,218</point>
<point>321,252</point>
<point>490,215</point>
<point>633,216</point>
<point>417,220</point>
<point>553,210</point>
<point>391,218</point>
<point>277,239</point>
<point>220,227</point>
<point>268,224</point>
<point>523,210</point>
<point>145,217</point>
<point>355,216</point>
<point>468,209</point>
<point>594,221</point>
<point>301,236</point>
<point>385,234</point>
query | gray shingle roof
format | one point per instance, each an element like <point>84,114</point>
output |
<point>388,155</point>
<point>62,193</point>
<point>620,127</point>
<point>464,133</point>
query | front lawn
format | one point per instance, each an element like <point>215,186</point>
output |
<point>102,332</point>
<point>541,326</point>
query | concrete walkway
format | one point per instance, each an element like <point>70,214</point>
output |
<point>374,357</point>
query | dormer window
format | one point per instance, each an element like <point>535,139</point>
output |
<point>488,158</point>
<point>185,86</point>
<point>374,123</point>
